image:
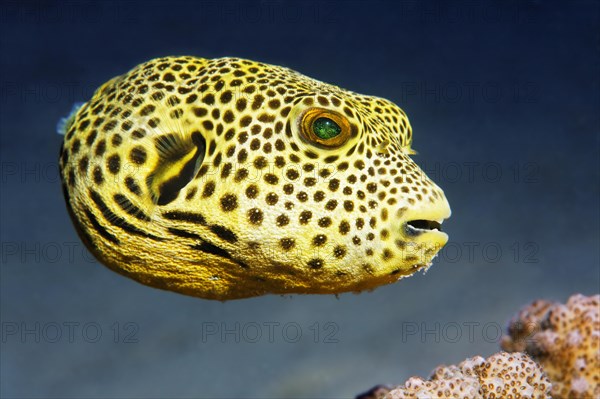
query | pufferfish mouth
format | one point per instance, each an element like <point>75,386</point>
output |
<point>426,222</point>
<point>419,226</point>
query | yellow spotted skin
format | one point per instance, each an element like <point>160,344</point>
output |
<point>209,178</point>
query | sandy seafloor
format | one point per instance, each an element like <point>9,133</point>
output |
<point>506,90</point>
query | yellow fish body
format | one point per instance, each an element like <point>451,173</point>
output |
<point>229,178</point>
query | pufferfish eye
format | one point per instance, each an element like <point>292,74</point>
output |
<point>325,128</point>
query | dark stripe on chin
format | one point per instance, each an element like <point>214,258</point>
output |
<point>184,233</point>
<point>99,228</point>
<point>116,220</point>
<point>212,249</point>
<point>79,227</point>
<point>185,217</point>
<point>224,233</point>
<point>130,208</point>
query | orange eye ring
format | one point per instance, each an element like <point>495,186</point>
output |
<point>324,128</point>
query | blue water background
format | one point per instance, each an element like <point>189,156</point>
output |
<point>503,97</point>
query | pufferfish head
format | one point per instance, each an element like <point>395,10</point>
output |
<point>229,178</point>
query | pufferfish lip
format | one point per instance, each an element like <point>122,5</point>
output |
<point>427,222</point>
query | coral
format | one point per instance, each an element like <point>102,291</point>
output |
<point>501,376</point>
<point>565,340</point>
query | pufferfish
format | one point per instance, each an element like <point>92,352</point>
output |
<point>229,178</point>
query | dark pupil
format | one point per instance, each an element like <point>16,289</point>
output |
<point>325,128</point>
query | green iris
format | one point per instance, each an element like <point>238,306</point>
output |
<point>325,128</point>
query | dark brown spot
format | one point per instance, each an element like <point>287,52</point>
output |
<point>349,206</point>
<point>331,205</point>
<point>255,216</point>
<point>325,222</point>
<point>242,156</point>
<point>83,165</point>
<point>228,116</point>
<point>117,140</point>
<point>209,189</point>
<point>98,177</point>
<point>240,104</point>
<point>226,170</point>
<point>282,220</point>
<point>387,254</point>
<point>302,196</point>
<point>319,196</point>
<point>91,138</point>
<point>319,240</point>
<point>241,174</point>
<point>257,103</point>
<point>191,193</point>
<point>255,144</point>
<point>334,184</point>
<point>226,97</point>
<point>339,252</point>
<point>305,217</point>
<point>245,121</point>
<point>100,148</point>
<point>75,146</point>
<point>288,189</point>
<point>199,112</point>
<point>344,227</point>
<point>315,263</point>
<point>272,198</point>
<point>310,181</point>
<point>271,179</point>
<point>147,110</point>
<point>208,99</point>
<point>292,174</point>
<point>287,243</point>
<point>260,162</point>
<point>252,191</point>
<point>228,202</point>
<point>114,164</point>
<point>138,155</point>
